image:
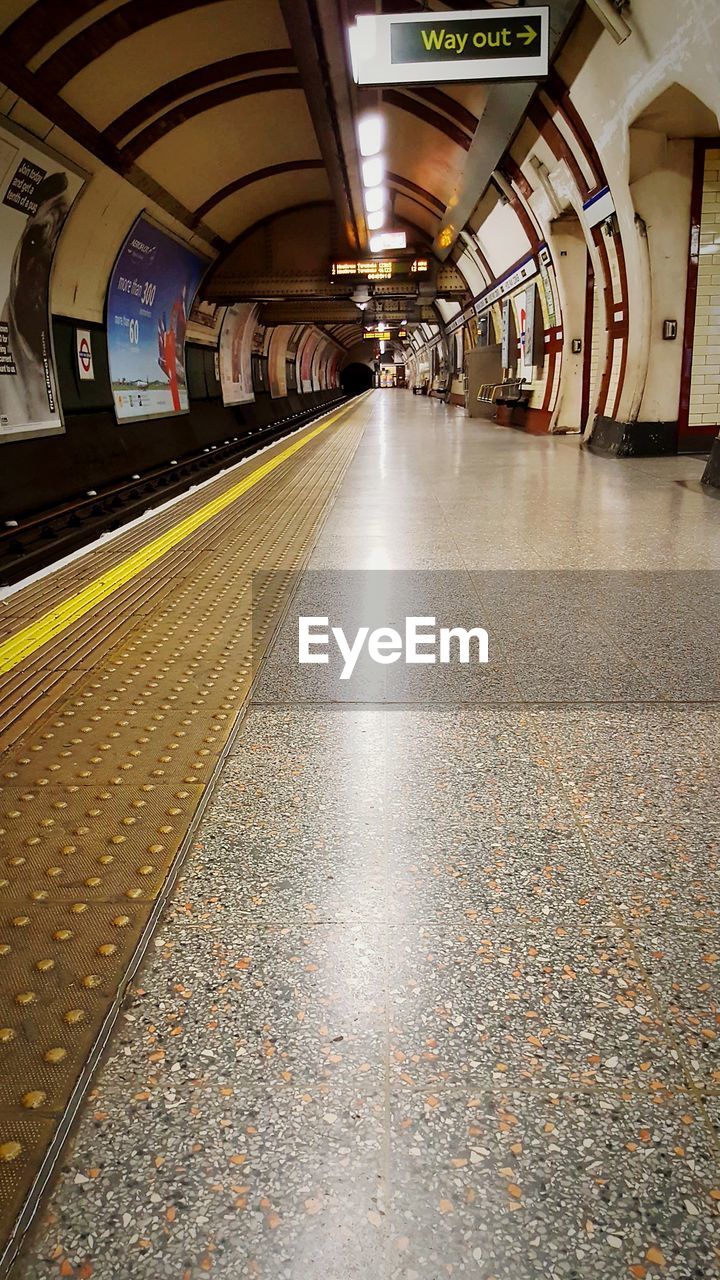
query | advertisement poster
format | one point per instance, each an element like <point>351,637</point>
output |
<point>37,191</point>
<point>318,364</point>
<point>276,360</point>
<point>205,323</point>
<point>529,314</point>
<point>291,357</point>
<point>151,291</point>
<point>236,347</point>
<point>507,336</point>
<point>307,353</point>
<point>333,370</point>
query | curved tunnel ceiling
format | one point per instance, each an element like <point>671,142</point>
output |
<point>229,114</point>
<point>207,100</point>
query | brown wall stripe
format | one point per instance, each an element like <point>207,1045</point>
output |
<point>445,103</point>
<point>696,205</point>
<point>205,102</point>
<point>395,98</point>
<point>258,175</point>
<point>417,190</point>
<point>559,145</point>
<point>558,92</point>
<point>588,341</point>
<point>97,39</point>
<point>39,24</point>
<point>203,77</point>
<point>32,89</point>
<point>622,327</point>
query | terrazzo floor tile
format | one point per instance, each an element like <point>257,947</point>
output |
<point>536,879</point>
<point>552,1007</point>
<point>220,1180</point>
<point>265,1006</point>
<point>683,966</point>
<point>535,1186</point>
<point>390,1028</point>
<point>282,735</point>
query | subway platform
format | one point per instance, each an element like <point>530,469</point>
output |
<point>435,991</point>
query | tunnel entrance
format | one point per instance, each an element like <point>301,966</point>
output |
<point>356,378</point>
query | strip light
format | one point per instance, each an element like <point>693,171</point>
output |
<point>370,135</point>
<point>375,199</point>
<point>373,171</point>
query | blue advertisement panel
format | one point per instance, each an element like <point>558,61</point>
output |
<point>151,291</point>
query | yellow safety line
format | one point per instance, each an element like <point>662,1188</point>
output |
<point>25,642</point>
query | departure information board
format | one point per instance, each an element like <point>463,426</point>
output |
<point>379,268</point>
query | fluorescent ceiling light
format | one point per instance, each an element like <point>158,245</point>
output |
<point>373,171</point>
<point>370,135</point>
<point>375,199</point>
<point>376,220</point>
<point>388,240</point>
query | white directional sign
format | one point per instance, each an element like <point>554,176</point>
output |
<point>483,44</point>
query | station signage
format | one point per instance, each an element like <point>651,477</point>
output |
<point>83,347</point>
<point>378,268</point>
<point>435,48</point>
<point>527,270</point>
<point>379,335</point>
<point>373,269</point>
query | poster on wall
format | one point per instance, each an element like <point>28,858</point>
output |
<point>291,363</point>
<point>277,368</point>
<point>37,191</point>
<point>205,322</point>
<point>528,302</point>
<point>507,334</point>
<point>305,360</point>
<point>236,348</point>
<point>151,292</point>
<point>317,365</point>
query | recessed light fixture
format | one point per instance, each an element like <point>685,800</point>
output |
<point>375,199</point>
<point>388,240</point>
<point>373,171</point>
<point>370,134</point>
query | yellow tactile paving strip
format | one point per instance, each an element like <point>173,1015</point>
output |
<point>124,675</point>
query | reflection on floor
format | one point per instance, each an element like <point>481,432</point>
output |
<point>438,993</point>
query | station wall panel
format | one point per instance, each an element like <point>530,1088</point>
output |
<point>96,453</point>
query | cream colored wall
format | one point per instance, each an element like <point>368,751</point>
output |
<point>569,249</point>
<point>502,238</point>
<point>705,386</point>
<point>671,43</point>
<point>97,225</point>
<point>614,89</point>
<point>662,200</point>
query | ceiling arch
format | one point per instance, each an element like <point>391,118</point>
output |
<point>193,82</point>
<point>247,180</point>
<point>185,111</point>
<point>96,39</point>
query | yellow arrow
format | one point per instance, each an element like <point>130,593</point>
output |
<point>528,35</point>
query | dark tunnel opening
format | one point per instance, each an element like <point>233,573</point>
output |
<point>356,378</point>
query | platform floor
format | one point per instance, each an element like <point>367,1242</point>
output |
<point>437,992</point>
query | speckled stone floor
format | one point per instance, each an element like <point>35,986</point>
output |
<point>438,992</point>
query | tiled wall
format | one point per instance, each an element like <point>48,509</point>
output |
<point>705,386</point>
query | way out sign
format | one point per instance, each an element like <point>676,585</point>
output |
<point>485,44</point>
<point>84,355</point>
